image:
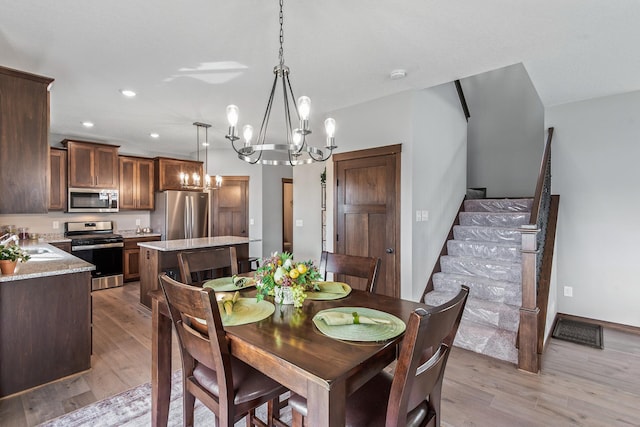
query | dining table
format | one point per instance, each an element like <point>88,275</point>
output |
<point>288,347</point>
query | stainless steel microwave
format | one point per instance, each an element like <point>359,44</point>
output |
<point>92,200</point>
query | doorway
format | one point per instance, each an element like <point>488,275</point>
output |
<point>367,210</point>
<point>287,215</point>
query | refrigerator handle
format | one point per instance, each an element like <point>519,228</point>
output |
<point>193,216</point>
<point>186,217</point>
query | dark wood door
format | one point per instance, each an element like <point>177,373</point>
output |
<point>367,210</point>
<point>144,183</point>
<point>230,207</point>
<point>106,167</point>
<point>81,161</point>
<point>127,196</point>
<point>136,183</point>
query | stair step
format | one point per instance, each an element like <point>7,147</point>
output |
<point>496,270</point>
<point>483,312</point>
<point>488,234</point>
<point>496,343</point>
<point>480,287</point>
<point>488,250</point>
<point>495,219</point>
<point>498,205</point>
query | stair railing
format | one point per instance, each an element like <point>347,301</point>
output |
<point>534,236</point>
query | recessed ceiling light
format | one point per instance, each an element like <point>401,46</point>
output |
<point>154,135</point>
<point>398,74</point>
<point>128,93</point>
<point>87,124</point>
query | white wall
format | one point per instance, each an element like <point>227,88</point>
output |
<point>595,171</point>
<point>506,133</point>
<point>431,128</point>
<point>439,157</point>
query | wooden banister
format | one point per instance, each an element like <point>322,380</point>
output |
<point>531,330</point>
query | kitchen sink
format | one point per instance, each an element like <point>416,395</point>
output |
<point>42,254</point>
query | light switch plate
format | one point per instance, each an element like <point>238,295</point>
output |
<point>56,225</point>
<point>251,221</point>
<point>299,223</point>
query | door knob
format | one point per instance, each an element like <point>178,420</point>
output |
<point>389,250</point>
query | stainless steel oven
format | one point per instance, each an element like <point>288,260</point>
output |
<point>92,200</point>
<point>96,243</point>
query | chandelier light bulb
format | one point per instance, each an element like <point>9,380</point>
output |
<point>330,127</point>
<point>232,115</point>
<point>218,180</point>
<point>297,137</point>
<point>304,107</point>
<point>207,180</point>
<point>247,134</point>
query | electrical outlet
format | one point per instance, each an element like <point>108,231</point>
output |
<point>568,291</point>
<point>418,216</point>
<point>56,225</point>
<point>299,223</point>
<point>251,221</point>
<point>425,215</point>
<point>137,221</point>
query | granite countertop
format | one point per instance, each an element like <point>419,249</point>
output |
<point>202,242</point>
<point>131,234</point>
<point>51,263</point>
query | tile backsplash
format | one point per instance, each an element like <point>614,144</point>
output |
<point>44,223</point>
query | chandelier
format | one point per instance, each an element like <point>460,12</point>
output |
<point>294,150</point>
<point>207,178</point>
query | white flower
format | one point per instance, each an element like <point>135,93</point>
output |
<point>288,263</point>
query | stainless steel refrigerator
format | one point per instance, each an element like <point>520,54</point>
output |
<point>181,215</point>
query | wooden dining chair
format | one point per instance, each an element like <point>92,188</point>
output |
<point>351,265</point>
<point>198,266</point>
<point>412,395</point>
<point>226,385</point>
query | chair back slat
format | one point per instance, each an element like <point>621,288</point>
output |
<point>198,266</point>
<point>187,303</point>
<point>423,357</point>
<point>359,272</point>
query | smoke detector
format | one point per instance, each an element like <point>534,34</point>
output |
<point>398,74</point>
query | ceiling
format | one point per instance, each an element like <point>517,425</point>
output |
<point>188,59</point>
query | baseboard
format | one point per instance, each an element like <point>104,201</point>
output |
<point>610,325</point>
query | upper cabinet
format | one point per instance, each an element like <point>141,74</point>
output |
<point>92,165</point>
<point>24,150</point>
<point>136,183</point>
<point>58,181</point>
<point>168,172</point>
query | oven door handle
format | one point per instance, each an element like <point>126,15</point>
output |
<point>99,246</point>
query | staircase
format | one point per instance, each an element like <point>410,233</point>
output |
<point>485,255</point>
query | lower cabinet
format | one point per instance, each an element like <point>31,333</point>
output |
<point>131,254</point>
<point>65,246</point>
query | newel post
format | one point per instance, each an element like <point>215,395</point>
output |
<point>528,359</point>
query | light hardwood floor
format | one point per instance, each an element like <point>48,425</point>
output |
<point>577,385</point>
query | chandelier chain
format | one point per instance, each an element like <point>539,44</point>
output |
<point>281,52</point>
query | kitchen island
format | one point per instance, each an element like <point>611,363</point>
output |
<point>158,257</point>
<point>45,319</point>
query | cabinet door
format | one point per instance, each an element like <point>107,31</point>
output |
<point>145,194</point>
<point>58,181</point>
<point>131,269</point>
<point>106,166</point>
<point>24,151</point>
<point>127,183</point>
<point>81,161</point>
<point>169,174</point>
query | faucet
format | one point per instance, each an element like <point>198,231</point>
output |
<point>11,238</point>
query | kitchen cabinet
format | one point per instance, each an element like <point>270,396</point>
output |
<point>167,172</point>
<point>24,148</point>
<point>92,165</point>
<point>58,179</point>
<point>131,254</point>
<point>136,183</point>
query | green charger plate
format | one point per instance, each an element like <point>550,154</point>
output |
<point>245,310</point>
<point>329,291</point>
<point>361,332</point>
<point>225,284</point>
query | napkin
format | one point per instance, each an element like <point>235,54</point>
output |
<point>331,287</point>
<point>336,318</point>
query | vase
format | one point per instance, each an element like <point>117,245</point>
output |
<point>283,294</point>
<point>8,266</point>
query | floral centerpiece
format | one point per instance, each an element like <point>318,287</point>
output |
<point>280,273</point>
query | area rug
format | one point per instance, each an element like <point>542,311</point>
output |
<point>132,408</point>
<point>578,332</point>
